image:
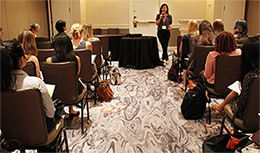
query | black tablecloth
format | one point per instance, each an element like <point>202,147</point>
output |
<point>114,41</point>
<point>139,52</point>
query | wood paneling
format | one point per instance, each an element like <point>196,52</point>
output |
<point>19,15</point>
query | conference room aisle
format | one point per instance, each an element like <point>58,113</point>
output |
<point>144,116</point>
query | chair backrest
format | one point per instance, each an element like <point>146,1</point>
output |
<point>86,68</point>
<point>44,45</point>
<point>226,72</point>
<point>179,37</point>
<point>201,53</point>
<point>251,117</point>
<point>41,39</point>
<point>30,68</point>
<point>43,54</point>
<point>239,46</point>
<point>97,31</point>
<point>96,50</point>
<point>241,40</point>
<point>113,31</point>
<point>104,44</point>
<point>22,116</point>
<point>191,44</point>
<point>64,76</point>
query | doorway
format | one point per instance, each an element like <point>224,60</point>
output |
<point>145,12</point>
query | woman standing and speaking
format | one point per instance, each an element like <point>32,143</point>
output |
<point>164,22</point>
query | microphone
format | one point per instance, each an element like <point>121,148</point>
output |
<point>162,14</point>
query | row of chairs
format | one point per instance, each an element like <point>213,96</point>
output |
<point>32,131</point>
<point>53,73</point>
<point>98,31</point>
<point>226,72</point>
<point>22,124</point>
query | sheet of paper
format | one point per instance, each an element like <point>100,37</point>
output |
<point>93,57</point>
<point>236,86</point>
<point>50,88</point>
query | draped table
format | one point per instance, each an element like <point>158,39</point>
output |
<point>139,52</point>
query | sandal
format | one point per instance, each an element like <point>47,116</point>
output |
<point>215,109</point>
<point>90,94</point>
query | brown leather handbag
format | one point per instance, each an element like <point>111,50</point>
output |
<point>104,91</point>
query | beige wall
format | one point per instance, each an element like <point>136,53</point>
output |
<point>210,7</point>
<point>105,13</point>
<point>253,17</point>
<point>187,9</point>
<point>234,10</point>
<point>19,15</point>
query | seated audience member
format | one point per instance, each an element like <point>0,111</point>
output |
<point>13,78</point>
<point>1,35</point>
<point>193,30</point>
<point>63,53</point>
<point>76,33</point>
<point>28,40</point>
<point>88,33</point>
<point>35,28</point>
<point>88,36</point>
<point>206,37</point>
<point>249,70</point>
<point>240,30</point>
<point>225,44</point>
<point>61,27</point>
<point>218,26</point>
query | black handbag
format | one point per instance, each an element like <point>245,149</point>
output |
<point>59,105</point>
<point>219,142</point>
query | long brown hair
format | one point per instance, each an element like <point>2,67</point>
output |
<point>218,25</point>
<point>225,42</point>
<point>27,38</point>
<point>206,32</point>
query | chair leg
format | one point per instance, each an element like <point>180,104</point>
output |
<point>209,101</point>
<point>95,90</point>
<point>222,125</point>
<point>87,109</point>
<point>66,140</point>
<point>82,112</point>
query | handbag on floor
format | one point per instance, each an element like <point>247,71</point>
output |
<point>194,103</point>
<point>59,105</point>
<point>115,77</point>
<point>104,91</point>
<point>256,138</point>
<point>225,142</point>
<point>173,71</point>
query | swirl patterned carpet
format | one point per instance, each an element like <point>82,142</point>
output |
<point>144,116</point>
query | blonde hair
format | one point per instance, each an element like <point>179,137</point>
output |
<point>193,27</point>
<point>76,30</point>
<point>27,38</point>
<point>87,32</point>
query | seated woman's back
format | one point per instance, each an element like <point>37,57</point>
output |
<point>225,44</point>
<point>28,40</point>
<point>77,41</point>
<point>64,52</point>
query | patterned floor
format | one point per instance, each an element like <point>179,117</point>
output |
<point>144,116</point>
